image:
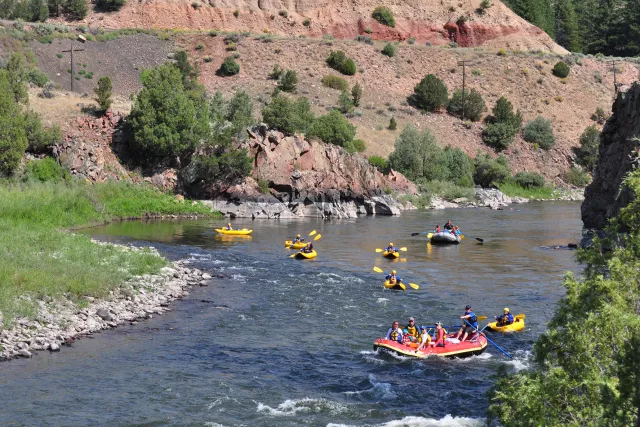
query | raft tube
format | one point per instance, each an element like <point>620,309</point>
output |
<point>396,286</point>
<point>391,255</point>
<point>290,244</point>
<point>304,255</point>
<point>450,350</point>
<point>445,237</point>
<point>243,232</point>
<point>516,326</point>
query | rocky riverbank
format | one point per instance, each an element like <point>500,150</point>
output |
<point>60,322</point>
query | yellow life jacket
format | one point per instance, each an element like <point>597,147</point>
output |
<point>413,330</point>
<point>394,335</point>
<point>393,280</point>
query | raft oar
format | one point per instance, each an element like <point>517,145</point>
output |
<point>477,238</point>
<point>400,249</point>
<point>413,285</point>
<point>484,335</point>
<point>428,233</point>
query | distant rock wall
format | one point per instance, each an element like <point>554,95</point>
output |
<point>619,147</point>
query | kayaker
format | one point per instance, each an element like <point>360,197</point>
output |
<point>392,278</point>
<point>297,239</point>
<point>308,248</point>
<point>448,226</point>
<point>412,330</point>
<point>425,339</point>
<point>395,333</point>
<point>506,318</point>
<point>471,318</point>
<point>441,335</point>
<point>229,227</point>
<point>390,248</point>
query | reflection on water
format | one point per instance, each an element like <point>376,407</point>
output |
<point>279,341</point>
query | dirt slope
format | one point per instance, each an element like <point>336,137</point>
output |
<point>432,21</point>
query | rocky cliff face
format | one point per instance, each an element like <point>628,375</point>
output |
<point>618,155</point>
<point>308,179</point>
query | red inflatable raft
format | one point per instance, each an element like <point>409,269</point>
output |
<point>450,350</point>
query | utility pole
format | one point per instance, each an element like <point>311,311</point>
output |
<point>81,39</point>
<point>463,63</point>
<point>615,77</point>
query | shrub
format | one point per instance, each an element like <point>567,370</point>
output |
<point>40,139</point>
<point>355,146</point>
<point>576,176</point>
<point>539,131</point>
<point>345,104</point>
<point>335,82</point>
<point>498,136</point>
<point>484,5</point>
<point>561,69</point>
<point>599,116</point>
<point>529,180</point>
<point>392,124</point>
<point>380,163</point>
<point>307,22</point>
<point>288,116</point>
<point>411,40</point>
<point>356,93</point>
<point>276,72</point>
<point>37,77</point>
<point>587,154</point>
<point>333,128</point>
<point>103,93</point>
<point>13,138</point>
<point>339,61</point>
<point>414,153</point>
<point>47,170</point>
<point>228,68</point>
<point>384,16</point>
<point>289,81</point>
<point>110,5</point>
<point>489,172</point>
<point>199,46</point>
<point>77,9</point>
<point>389,50</point>
<point>283,13</point>
<point>236,13</point>
<point>474,105</point>
<point>430,94</point>
<point>502,52</point>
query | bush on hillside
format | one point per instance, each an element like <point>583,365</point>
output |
<point>335,82</point>
<point>489,172</point>
<point>288,82</point>
<point>13,138</point>
<point>345,103</point>
<point>276,72</point>
<point>228,68</point>
<point>539,131</point>
<point>576,176</point>
<point>356,94</point>
<point>561,69</point>
<point>339,61</point>
<point>459,167</point>
<point>288,116</point>
<point>355,146</point>
<point>503,125</point>
<point>77,9</point>
<point>430,94</point>
<point>40,138</point>
<point>389,50</point>
<point>393,125</point>
<point>529,180</point>
<point>599,116</point>
<point>231,118</point>
<point>414,153</point>
<point>588,152</point>
<point>103,93</point>
<point>227,167</point>
<point>380,163</point>
<point>384,16</point>
<point>46,170</point>
<point>333,128</point>
<point>474,105</point>
<point>110,5</point>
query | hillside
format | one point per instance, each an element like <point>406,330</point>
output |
<point>434,21</point>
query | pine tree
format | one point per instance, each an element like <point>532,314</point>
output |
<point>566,23</point>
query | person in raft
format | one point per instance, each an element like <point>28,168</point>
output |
<point>392,278</point>
<point>472,320</point>
<point>228,227</point>
<point>425,339</point>
<point>308,248</point>
<point>506,318</point>
<point>412,330</point>
<point>390,248</point>
<point>448,226</point>
<point>395,333</point>
<point>297,239</point>
<point>456,231</point>
<point>441,335</point>
<point>437,229</point>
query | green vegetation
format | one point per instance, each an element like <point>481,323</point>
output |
<point>356,94</point>
<point>77,9</point>
<point>333,128</point>
<point>307,22</point>
<point>484,5</point>
<point>430,94</point>
<point>539,131</point>
<point>110,5</point>
<point>392,124</point>
<point>490,172</point>
<point>288,81</point>
<point>288,116</point>
<point>588,152</point>
<point>46,170</point>
<point>591,379</point>
<point>345,103</point>
<point>335,82</point>
<point>474,105</point>
<point>229,67</point>
<point>512,189</point>
<point>529,180</point>
<point>103,93</point>
<point>339,61</point>
<point>502,126</point>
<point>355,146</point>
<point>599,116</point>
<point>389,50</point>
<point>380,163</point>
<point>276,72</point>
<point>576,176</point>
<point>384,16</point>
<point>561,69</point>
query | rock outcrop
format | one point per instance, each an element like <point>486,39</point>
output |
<point>308,179</point>
<point>619,152</point>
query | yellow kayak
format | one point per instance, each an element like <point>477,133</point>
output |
<point>290,244</point>
<point>391,255</point>
<point>516,326</point>
<point>243,232</point>
<point>305,255</point>
<point>396,286</point>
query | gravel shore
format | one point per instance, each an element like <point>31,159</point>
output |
<point>60,322</point>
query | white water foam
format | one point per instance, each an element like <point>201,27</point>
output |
<point>306,405</point>
<point>379,390</point>
<point>521,360</point>
<point>446,421</point>
<point>382,300</point>
<point>372,356</point>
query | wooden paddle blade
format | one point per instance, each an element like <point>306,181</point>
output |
<point>521,316</point>
<point>482,317</point>
<point>415,234</point>
<point>379,250</point>
<point>377,270</point>
<point>414,286</point>
<point>403,249</point>
<point>317,237</point>
<point>479,239</point>
<point>313,233</point>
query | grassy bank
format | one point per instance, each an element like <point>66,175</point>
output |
<point>39,258</point>
<point>514,190</point>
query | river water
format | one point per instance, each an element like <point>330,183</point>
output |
<point>282,342</point>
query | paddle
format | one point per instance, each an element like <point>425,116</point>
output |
<point>484,335</point>
<point>467,235</point>
<point>312,233</point>
<point>428,233</point>
<point>400,249</point>
<point>521,316</point>
<point>413,285</point>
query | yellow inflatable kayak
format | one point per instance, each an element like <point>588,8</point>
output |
<point>395,286</point>
<point>290,244</point>
<point>391,255</point>
<point>305,255</point>
<point>243,232</point>
<point>516,326</point>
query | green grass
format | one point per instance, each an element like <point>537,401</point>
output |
<point>39,258</point>
<point>445,190</point>
<point>514,190</point>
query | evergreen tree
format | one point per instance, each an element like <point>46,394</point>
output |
<point>567,30</point>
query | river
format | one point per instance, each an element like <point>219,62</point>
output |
<point>282,342</point>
